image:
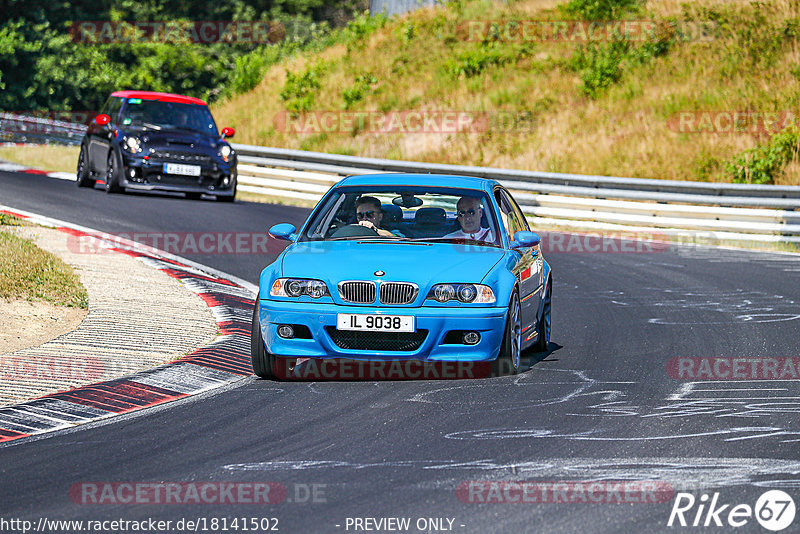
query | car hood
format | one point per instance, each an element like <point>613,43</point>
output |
<point>423,264</point>
<point>177,138</point>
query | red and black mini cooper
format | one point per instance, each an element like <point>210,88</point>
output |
<point>143,140</point>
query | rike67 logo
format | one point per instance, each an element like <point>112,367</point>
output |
<point>774,510</point>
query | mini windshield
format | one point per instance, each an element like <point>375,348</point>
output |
<point>407,214</point>
<point>156,115</point>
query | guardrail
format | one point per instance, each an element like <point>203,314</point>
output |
<point>35,130</point>
<point>724,211</point>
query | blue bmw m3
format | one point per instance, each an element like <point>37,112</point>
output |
<point>405,267</point>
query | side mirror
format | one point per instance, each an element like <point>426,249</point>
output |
<point>228,132</point>
<point>523,239</point>
<point>283,231</point>
<point>102,119</point>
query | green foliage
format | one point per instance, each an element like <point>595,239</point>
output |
<point>476,60</point>
<point>601,9</point>
<point>248,71</point>
<point>361,88</point>
<point>41,67</point>
<point>299,90</point>
<point>407,31</point>
<point>362,26</point>
<point>762,164</point>
<point>599,66</point>
<point>9,220</point>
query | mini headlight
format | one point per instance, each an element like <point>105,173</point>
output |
<point>225,152</point>
<point>132,144</point>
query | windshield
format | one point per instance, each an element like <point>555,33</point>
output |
<point>405,214</point>
<point>155,115</point>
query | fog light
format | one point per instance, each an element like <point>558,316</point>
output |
<point>133,173</point>
<point>471,338</point>
<point>286,331</point>
<point>226,181</point>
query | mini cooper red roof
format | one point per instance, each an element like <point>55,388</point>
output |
<point>162,97</point>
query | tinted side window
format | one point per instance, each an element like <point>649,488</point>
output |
<point>106,106</point>
<point>113,111</point>
<point>520,216</point>
<point>512,217</point>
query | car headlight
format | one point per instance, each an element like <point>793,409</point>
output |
<point>467,293</point>
<point>297,287</point>
<point>225,152</point>
<point>132,144</point>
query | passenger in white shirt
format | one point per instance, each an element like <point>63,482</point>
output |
<point>469,218</point>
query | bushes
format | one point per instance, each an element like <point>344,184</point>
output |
<point>762,164</point>
<point>299,90</point>
<point>361,88</point>
<point>601,9</point>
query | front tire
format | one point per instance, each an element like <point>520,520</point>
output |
<point>508,360</point>
<point>113,170</point>
<point>263,362</point>
<point>82,177</point>
<point>543,326</point>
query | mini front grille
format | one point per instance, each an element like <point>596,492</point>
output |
<point>397,292</point>
<point>357,292</point>
<point>183,157</point>
<point>391,341</point>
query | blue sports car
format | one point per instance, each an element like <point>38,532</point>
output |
<point>405,267</point>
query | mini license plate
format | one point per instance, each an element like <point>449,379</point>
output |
<point>375,323</point>
<point>179,168</point>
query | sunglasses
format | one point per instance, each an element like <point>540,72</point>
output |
<point>365,215</point>
<point>471,213</point>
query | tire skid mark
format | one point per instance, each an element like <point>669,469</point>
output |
<point>224,360</point>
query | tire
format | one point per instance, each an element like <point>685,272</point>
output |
<point>82,172</point>
<point>113,170</point>
<point>508,360</point>
<point>263,362</point>
<point>543,325</point>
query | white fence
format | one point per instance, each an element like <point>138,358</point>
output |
<point>723,211</point>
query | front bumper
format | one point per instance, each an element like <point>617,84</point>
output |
<point>147,175</point>
<point>320,319</point>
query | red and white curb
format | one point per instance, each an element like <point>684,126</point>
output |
<point>16,167</point>
<point>221,362</point>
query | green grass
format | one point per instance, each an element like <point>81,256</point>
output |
<point>30,273</point>
<point>600,108</point>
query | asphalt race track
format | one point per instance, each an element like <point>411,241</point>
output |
<point>602,406</point>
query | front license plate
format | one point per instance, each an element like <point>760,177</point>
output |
<point>179,168</point>
<point>375,323</point>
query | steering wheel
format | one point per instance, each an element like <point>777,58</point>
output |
<point>355,230</point>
